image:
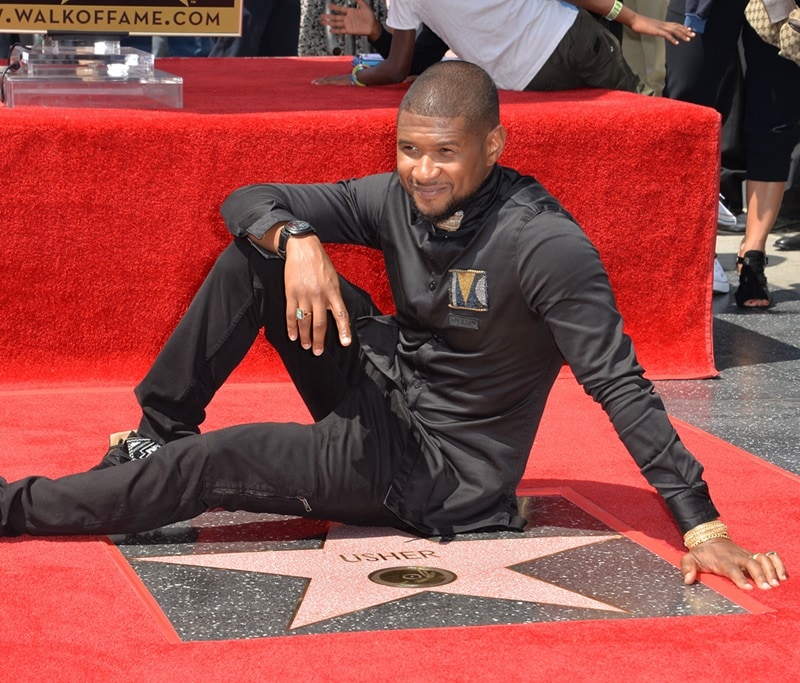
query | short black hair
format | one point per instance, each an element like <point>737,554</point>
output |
<point>455,89</point>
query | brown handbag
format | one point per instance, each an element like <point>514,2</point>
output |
<point>777,22</point>
<point>790,37</point>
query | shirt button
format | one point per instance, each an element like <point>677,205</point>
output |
<point>417,384</point>
<point>432,285</point>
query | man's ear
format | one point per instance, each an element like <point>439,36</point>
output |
<point>495,144</point>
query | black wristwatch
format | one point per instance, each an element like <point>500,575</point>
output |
<point>293,229</point>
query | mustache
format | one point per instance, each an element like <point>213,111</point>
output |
<point>427,186</point>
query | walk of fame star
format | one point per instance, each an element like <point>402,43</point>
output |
<point>240,575</point>
<point>339,571</point>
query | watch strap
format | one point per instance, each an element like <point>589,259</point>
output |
<point>292,229</point>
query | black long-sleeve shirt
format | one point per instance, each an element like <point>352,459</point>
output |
<point>485,317</point>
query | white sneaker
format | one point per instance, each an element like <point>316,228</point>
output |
<point>721,284</point>
<point>725,218</point>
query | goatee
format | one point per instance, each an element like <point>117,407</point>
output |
<point>457,204</point>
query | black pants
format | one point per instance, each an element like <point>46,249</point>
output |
<point>695,70</point>
<point>588,56</point>
<point>338,468</point>
<point>270,28</point>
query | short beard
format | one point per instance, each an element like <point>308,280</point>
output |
<point>456,204</point>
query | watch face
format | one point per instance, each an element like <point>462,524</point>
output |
<point>292,228</point>
<point>298,227</point>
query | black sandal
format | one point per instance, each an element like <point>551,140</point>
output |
<point>752,281</point>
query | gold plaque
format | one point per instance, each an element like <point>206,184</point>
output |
<point>412,577</point>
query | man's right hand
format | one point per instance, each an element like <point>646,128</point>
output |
<point>312,289</point>
<point>668,30</point>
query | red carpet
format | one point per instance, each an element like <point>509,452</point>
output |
<point>70,614</point>
<point>110,217</point>
<point>110,220</point>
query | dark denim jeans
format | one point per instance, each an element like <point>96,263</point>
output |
<point>270,28</point>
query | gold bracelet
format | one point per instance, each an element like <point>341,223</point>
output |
<point>705,532</point>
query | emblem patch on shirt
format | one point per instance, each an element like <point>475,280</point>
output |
<point>469,290</point>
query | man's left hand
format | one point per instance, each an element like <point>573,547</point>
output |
<point>723,557</point>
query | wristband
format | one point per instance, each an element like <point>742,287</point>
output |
<point>614,11</point>
<point>354,75</point>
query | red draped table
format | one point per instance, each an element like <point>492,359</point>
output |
<point>111,216</point>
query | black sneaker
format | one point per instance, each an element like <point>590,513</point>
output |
<point>127,446</point>
<point>140,447</point>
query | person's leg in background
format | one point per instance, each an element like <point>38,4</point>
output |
<point>269,29</point>
<point>646,54</point>
<point>281,33</point>
<point>772,124</point>
<point>143,43</point>
<point>708,71</point>
<point>6,40</point>
<point>696,71</point>
<point>183,46</point>
<point>790,208</point>
<point>731,102</point>
<point>255,14</point>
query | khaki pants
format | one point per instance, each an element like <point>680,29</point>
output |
<point>646,54</point>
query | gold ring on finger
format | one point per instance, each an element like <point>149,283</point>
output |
<point>771,552</point>
<point>757,555</point>
<point>300,314</point>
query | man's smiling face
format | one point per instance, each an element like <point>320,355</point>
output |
<point>441,163</point>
